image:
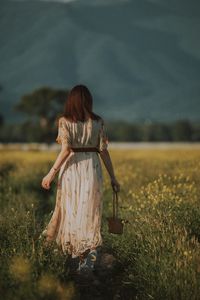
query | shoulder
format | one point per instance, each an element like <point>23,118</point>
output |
<point>100,120</point>
<point>62,121</point>
<point>96,117</point>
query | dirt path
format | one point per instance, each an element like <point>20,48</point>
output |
<point>105,282</point>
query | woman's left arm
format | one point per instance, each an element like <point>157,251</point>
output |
<point>64,153</point>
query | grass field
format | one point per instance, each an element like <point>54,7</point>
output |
<point>158,255</point>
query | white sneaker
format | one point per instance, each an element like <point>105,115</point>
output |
<point>91,259</point>
<point>81,265</point>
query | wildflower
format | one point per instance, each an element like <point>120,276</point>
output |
<point>47,284</point>
<point>20,268</point>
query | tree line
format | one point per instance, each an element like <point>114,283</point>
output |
<point>177,131</point>
<point>43,106</point>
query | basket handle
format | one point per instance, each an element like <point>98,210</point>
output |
<point>115,204</point>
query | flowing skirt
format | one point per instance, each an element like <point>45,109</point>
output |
<point>76,221</point>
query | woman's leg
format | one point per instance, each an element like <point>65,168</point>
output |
<point>83,255</point>
<point>93,248</point>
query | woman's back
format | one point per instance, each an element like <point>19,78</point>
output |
<point>90,133</point>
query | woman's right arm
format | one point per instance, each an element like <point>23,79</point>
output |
<point>105,156</point>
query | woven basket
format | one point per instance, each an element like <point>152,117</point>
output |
<point>115,224</point>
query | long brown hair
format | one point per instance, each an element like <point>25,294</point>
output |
<point>78,101</point>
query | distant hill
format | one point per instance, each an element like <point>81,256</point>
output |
<point>140,59</point>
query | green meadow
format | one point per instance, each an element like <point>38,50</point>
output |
<point>158,255</point>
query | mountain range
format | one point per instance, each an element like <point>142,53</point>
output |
<point>139,58</point>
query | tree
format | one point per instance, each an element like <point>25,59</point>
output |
<point>1,116</point>
<point>182,131</point>
<point>1,120</point>
<point>156,132</point>
<point>43,105</point>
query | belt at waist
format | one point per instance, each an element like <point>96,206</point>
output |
<point>85,149</point>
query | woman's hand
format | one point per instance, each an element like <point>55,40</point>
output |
<point>115,184</point>
<point>46,181</point>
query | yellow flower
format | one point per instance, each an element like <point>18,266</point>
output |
<point>20,268</point>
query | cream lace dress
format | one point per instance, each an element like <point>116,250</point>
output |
<point>76,220</point>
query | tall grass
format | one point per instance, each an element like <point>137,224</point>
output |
<point>159,250</point>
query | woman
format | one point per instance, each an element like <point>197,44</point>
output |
<point>76,220</point>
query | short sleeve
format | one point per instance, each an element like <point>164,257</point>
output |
<point>63,136</point>
<point>103,137</point>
